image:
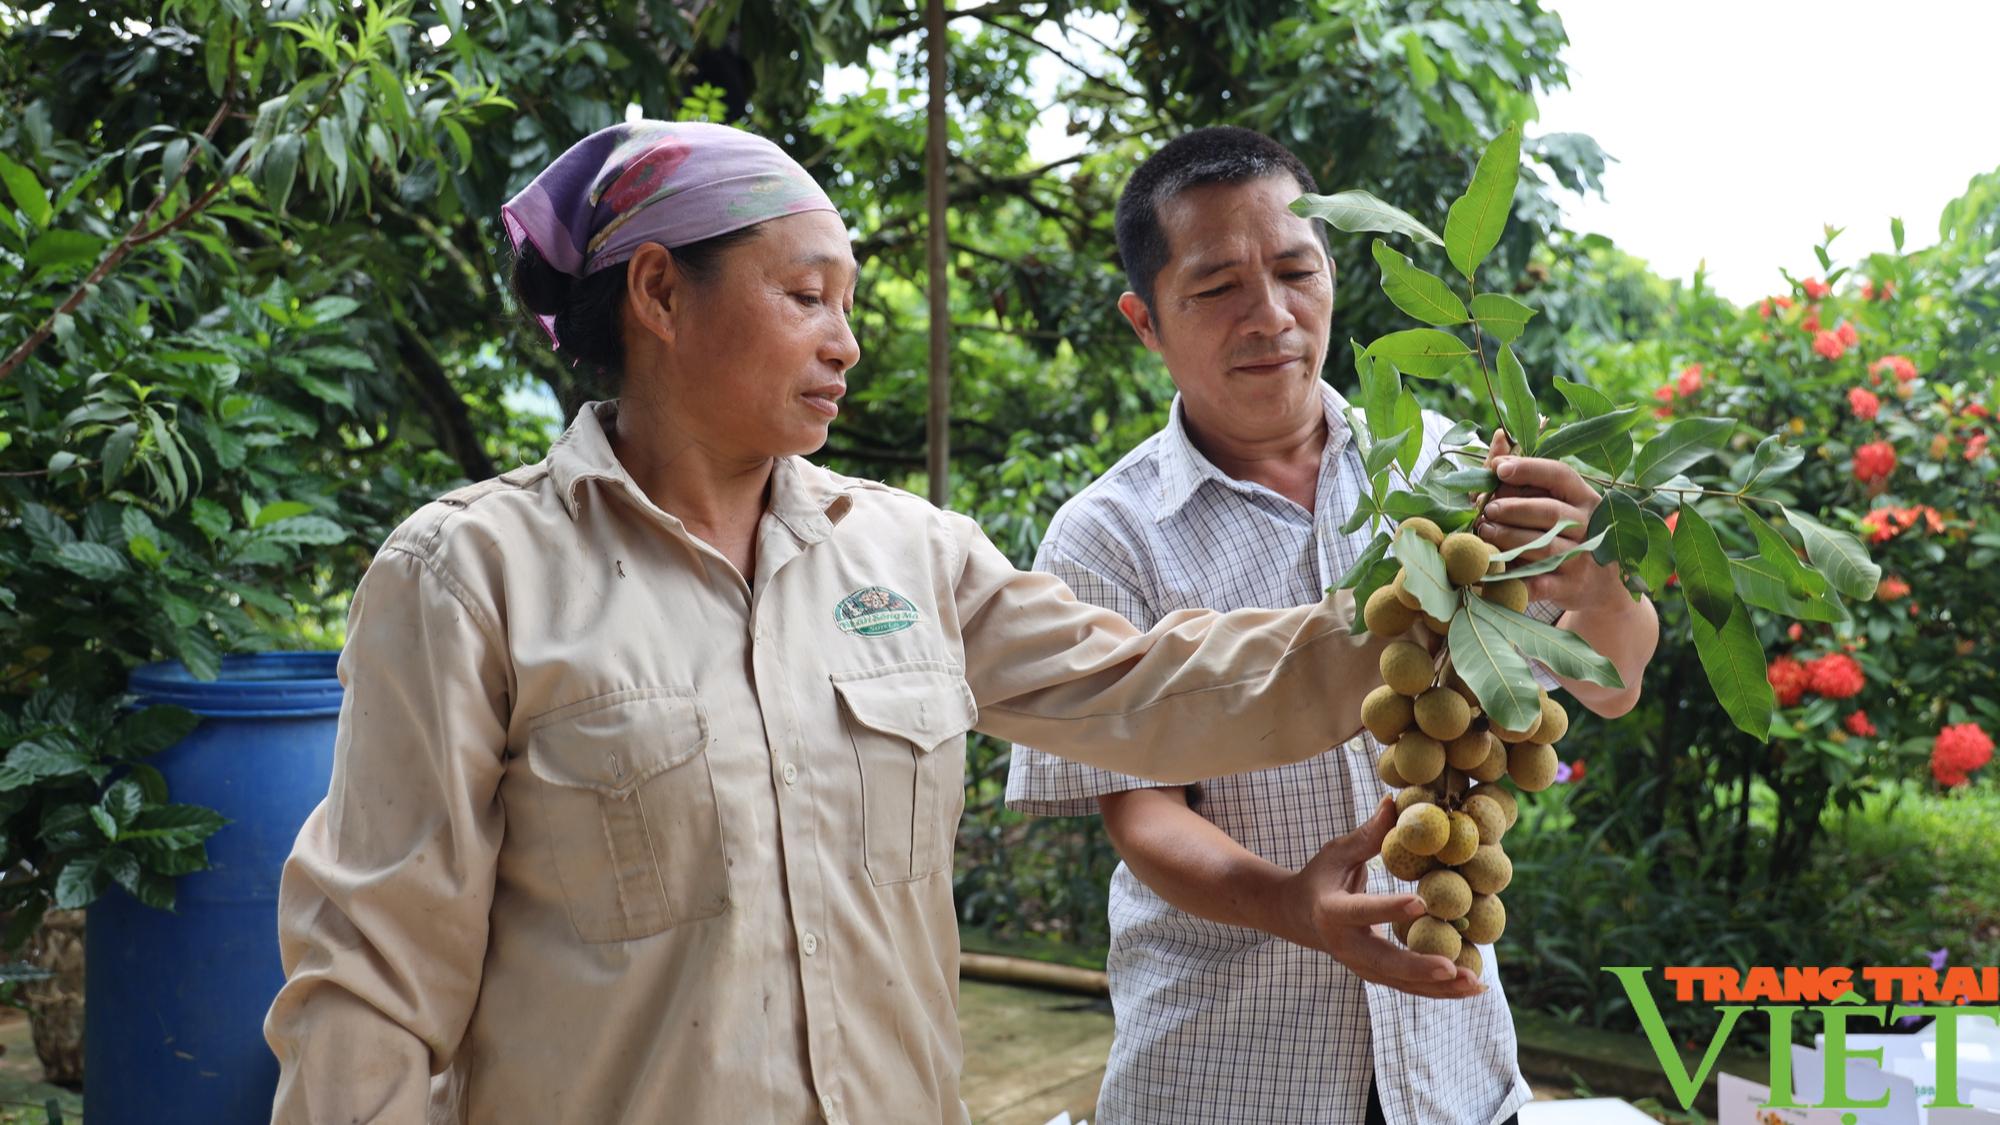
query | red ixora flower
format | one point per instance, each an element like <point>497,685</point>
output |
<point>1891,588</point>
<point>1835,676</point>
<point>1689,380</point>
<point>1847,334</point>
<point>1858,725</point>
<point>1900,366</point>
<point>1975,446</point>
<point>1815,288</point>
<point>1864,403</point>
<point>1795,631</point>
<point>1664,392</point>
<point>1874,461</point>
<point>1957,751</point>
<point>1873,291</point>
<point>1576,770</point>
<point>1788,680</point>
<point>1811,322</point>
<point>1829,344</point>
<point>1976,410</point>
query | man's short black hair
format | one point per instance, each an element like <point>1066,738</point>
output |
<point>1218,154</point>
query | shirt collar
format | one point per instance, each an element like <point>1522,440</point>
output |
<point>1183,468</point>
<point>804,497</point>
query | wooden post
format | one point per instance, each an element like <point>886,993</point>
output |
<point>938,429</point>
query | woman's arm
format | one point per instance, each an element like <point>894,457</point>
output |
<point>382,911</point>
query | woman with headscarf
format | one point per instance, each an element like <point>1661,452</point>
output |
<point>652,752</point>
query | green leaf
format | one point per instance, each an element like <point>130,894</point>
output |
<point>117,452</point>
<point>1357,211</point>
<point>1734,662</point>
<point>1896,233</point>
<point>1479,479</point>
<point>1703,567</point>
<point>1658,564</point>
<point>1420,293</point>
<point>1800,580</point>
<point>168,861</point>
<point>1424,352</point>
<point>453,14</point>
<point>93,561</point>
<point>147,732</point>
<point>1376,549</point>
<point>1762,585</point>
<point>334,307</point>
<point>316,530</point>
<point>1501,316</point>
<point>1518,408</point>
<point>1495,671</point>
<point>124,800</point>
<point>1622,522</point>
<point>1563,651</point>
<point>1535,544</point>
<point>1683,444</point>
<point>38,761</point>
<point>199,653</point>
<point>80,882</point>
<point>1472,227</point>
<point>1773,459</point>
<point>1423,574</point>
<point>1586,401</point>
<point>26,190</point>
<point>280,170</point>
<point>1543,566</point>
<point>54,249</point>
<point>340,356</point>
<point>104,822</point>
<point>279,510</point>
<point>1379,574</point>
<point>1586,433</point>
<point>1838,555</point>
<point>1382,453</point>
<point>177,826</point>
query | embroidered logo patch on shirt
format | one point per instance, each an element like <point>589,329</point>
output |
<point>874,611</point>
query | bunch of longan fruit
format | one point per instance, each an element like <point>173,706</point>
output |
<point>1446,759</point>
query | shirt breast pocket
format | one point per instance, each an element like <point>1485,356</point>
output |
<point>907,725</point>
<point>629,812</point>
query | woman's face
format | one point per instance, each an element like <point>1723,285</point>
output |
<point>754,358</point>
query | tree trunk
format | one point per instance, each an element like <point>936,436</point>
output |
<point>939,424</point>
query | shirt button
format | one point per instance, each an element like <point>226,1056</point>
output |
<point>791,774</point>
<point>826,1106</point>
<point>810,943</point>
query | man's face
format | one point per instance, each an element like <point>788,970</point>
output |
<point>1242,308</point>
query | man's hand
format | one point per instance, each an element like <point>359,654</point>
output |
<point>1536,494</point>
<point>1330,910</point>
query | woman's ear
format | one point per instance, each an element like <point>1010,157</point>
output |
<point>653,293</point>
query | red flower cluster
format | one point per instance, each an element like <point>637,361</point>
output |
<point>1886,523</point>
<point>1874,461</point>
<point>1891,588</point>
<point>1898,365</point>
<point>1771,304</point>
<point>1975,446</point>
<point>1864,403</point>
<point>1683,385</point>
<point>1811,322</point>
<point>1977,410</point>
<point>1689,380</point>
<point>1788,680</point>
<point>1957,751</point>
<point>1858,725</point>
<point>1829,344</point>
<point>1835,676</point>
<point>1815,288</point>
<point>1873,292</point>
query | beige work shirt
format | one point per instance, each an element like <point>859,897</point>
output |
<point>614,837</point>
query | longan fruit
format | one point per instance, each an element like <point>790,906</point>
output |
<point>1499,796</point>
<point>1407,668</point>
<point>1495,766</point>
<point>1419,757</point>
<point>1385,768</point>
<point>1488,871</point>
<point>1385,616</point>
<point>1425,528</point>
<point>1512,593</point>
<point>1425,828</point>
<point>1409,796</point>
<point>1503,734</point>
<point>1400,861</point>
<point>1468,957</point>
<point>1465,557</point>
<point>1442,713</point>
<point>1445,893</point>
<point>1387,713</point>
<point>1469,750</point>
<point>1430,936</point>
<point>1555,721</point>
<point>1532,765</point>
<point>1488,816</point>
<point>1463,841</point>
<point>1403,593</point>
<point>1486,920</point>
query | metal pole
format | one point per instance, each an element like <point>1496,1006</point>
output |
<point>938,427</point>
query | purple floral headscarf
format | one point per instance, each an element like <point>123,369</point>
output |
<point>654,181</point>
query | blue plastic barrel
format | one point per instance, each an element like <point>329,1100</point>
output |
<point>174,1003</point>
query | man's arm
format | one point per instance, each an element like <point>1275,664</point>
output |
<point>1196,866</point>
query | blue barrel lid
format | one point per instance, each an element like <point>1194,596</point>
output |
<point>252,685</point>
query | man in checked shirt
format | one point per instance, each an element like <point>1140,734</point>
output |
<point>1250,971</point>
